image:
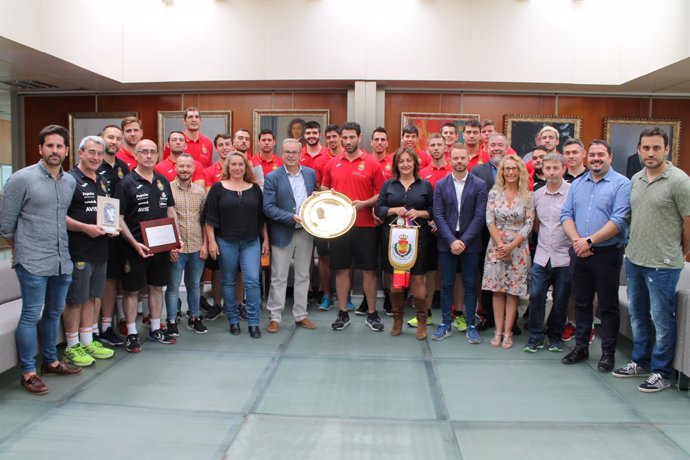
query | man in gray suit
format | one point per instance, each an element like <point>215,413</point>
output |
<point>285,190</point>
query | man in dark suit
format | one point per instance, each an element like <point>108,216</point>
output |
<point>459,214</point>
<point>285,190</point>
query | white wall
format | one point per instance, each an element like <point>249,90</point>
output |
<point>559,41</point>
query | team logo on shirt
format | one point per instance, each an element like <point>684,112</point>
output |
<point>388,167</point>
<point>79,265</point>
<point>159,184</point>
<point>275,166</point>
<point>104,187</point>
<point>120,174</point>
<point>204,149</point>
<point>361,166</point>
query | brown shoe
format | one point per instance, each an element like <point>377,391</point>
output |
<point>306,323</point>
<point>60,369</point>
<point>273,326</point>
<point>397,323</point>
<point>34,385</point>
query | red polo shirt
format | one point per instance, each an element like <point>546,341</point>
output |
<point>424,159</point>
<point>359,179</point>
<point>386,165</point>
<point>320,162</point>
<point>433,173</point>
<point>201,149</point>
<point>479,159</point>
<point>124,155</point>
<point>213,173</point>
<point>167,169</point>
<point>307,160</point>
<point>267,166</point>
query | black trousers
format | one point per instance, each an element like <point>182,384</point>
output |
<point>597,274</point>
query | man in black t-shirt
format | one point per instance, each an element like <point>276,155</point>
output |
<point>144,195</point>
<point>88,246</point>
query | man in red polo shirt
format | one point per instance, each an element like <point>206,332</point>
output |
<point>198,145</point>
<point>410,138</point>
<point>358,176</point>
<point>438,168</point>
<point>132,133</point>
<point>471,136</point>
<point>176,146</point>
<point>266,158</point>
<point>213,173</point>
<point>450,137</point>
<point>335,147</point>
<point>379,150</point>
<point>312,149</point>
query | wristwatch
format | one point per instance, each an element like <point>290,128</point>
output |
<point>589,241</point>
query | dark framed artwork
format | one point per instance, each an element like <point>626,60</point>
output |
<point>428,123</point>
<point>622,134</point>
<point>213,122</point>
<point>287,123</point>
<point>522,130</point>
<point>82,124</point>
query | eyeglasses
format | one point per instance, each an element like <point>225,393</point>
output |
<point>290,152</point>
<point>148,152</point>
<point>511,169</point>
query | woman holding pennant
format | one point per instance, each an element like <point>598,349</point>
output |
<point>405,206</point>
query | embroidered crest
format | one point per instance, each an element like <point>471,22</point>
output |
<point>120,174</point>
<point>361,166</point>
<point>388,167</point>
<point>159,184</point>
<point>104,187</point>
<point>79,265</point>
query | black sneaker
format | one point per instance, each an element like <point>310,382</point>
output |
<point>374,322</point>
<point>172,328</point>
<point>195,324</point>
<point>533,345</point>
<point>132,344</point>
<point>213,313</point>
<point>387,307</point>
<point>203,304</point>
<point>341,322</point>
<point>363,308</point>
<point>161,336</point>
<point>243,311</point>
<point>109,337</point>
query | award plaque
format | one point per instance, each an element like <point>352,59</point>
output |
<point>160,235</point>
<point>327,214</point>
<point>108,213</point>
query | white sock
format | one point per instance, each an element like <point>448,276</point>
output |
<point>145,306</point>
<point>72,339</point>
<point>131,328</point>
<point>106,323</point>
<point>155,324</point>
<point>120,310</point>
<point>94,328</point>
<point>85,336</point>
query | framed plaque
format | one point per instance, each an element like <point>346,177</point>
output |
<point>160,235</point>
<point>108,214</point>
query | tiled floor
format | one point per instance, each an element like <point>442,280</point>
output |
<point>355,394</point>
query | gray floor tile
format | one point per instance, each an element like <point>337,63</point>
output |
<point>668,406</point>
<point>179,380</point>
<point>680,434</point>
<point>349,388</point>
<point>564,441</point>
<point>321,439</point>
<point>130,433</point>
<point>19,413</point>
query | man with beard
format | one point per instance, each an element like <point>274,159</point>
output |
<point>358,176</point>
<point>132,133</point>
<point>538,178</point>
<point>410,138</point>
<point>312,150</point>
<point>196,144</point>
<point>595,217</point>
<point>267,158</point>
<point>33,221</point>
<point>471,136</point>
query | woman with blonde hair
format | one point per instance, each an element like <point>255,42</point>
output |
<point>509,218</point>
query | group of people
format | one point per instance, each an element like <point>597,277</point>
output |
<point>493,227</point>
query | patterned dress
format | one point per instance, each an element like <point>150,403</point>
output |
<point>512,219</point>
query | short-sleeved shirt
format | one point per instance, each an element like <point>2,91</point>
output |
<point>235,216</point>
<point>320,163</point>
<point>307,160</point>
<point>267,166</point>
<point>201,149</point>
<point>127,157</point>
<point>113,174</point>
<point>189,206</point>
<point>434,173</point>
<point>656,226</point>
<point>386,165</point>
<point>479,159</point>
<point>359,179</point>
<point>570,178</point>
<point>84,209</point>
<point>167,169</point>
<point>213,173</point>
<point>141,200</point>
<point>552,242</point>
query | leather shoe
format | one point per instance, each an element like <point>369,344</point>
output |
<point>607,362</point>
<point>485,323</point>
<point>235,329</point>
<point>254,332</point>
<point>306,323</point>
<point>273,326</point>
<point>576,356</point>
<point>60,369</point>
<point>34,385</point>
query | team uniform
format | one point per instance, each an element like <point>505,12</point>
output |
<point>386,165</point>
<point>113,175</point>
<point>201,149</point>
<point>267,166</point>
<point>213,173</point>
<point>307,160</point>
<point>127,158</point>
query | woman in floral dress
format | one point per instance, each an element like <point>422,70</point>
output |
<point>509,218</point>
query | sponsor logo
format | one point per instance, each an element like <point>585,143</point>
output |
<point>138,187</point>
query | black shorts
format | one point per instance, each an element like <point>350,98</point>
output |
<point>431,255</point>
<point>88,282</point>
<point>358,244</point>
<point>138,272</point>
<point>420,265</point>
<point>322,246</point>
<point>116,247</point>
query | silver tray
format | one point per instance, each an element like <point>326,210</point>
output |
<point>328,214</point>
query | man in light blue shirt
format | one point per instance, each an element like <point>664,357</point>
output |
<point>595,217</point>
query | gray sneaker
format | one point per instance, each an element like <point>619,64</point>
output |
<point>631,370</point>
<point>654,383</point>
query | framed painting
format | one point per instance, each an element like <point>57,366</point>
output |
<point>428,123</point>
<point>82,124</point>
<point>287,123</point>
<point>522,130</point>
<point>623,134</point>
<point>213,122</point>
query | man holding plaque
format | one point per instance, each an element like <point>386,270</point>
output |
<point>88,247</point>
<point>144,196</point>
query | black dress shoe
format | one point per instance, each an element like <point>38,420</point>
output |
<point>485,324</point>
<point>243,311</point>
<point>516,329</point>
<point>235,329</point>
<point>254,332</point>
<point>576,356</point>
<point>607,362</point>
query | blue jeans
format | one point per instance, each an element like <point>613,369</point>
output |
<point>232,255</point>
<point>542,277</point>
<point>37,291</point>
<point>652,298</point>
<point>193,268</point>
<point>469,264</point>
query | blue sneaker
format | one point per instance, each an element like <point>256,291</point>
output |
<point>350,305</point>
<point>472,335</point>
<point>326,303</point>
<point>442,332</point>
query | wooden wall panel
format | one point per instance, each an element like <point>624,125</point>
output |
<point>146,105</point>
<point>495,106</point>
<point>680,109</point>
